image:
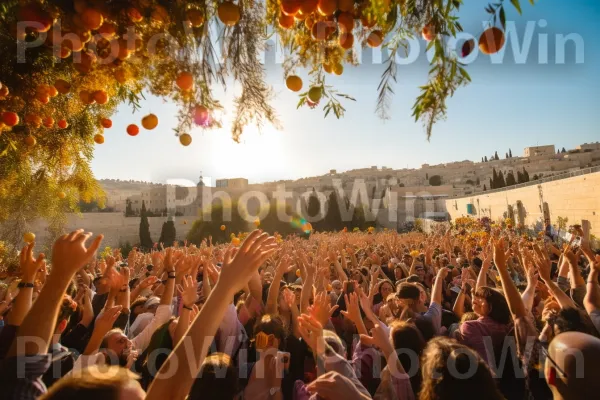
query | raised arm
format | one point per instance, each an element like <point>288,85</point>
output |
<point>29,268</point>
<point>544,267</point>
<point>282,267</point>
<point>438,285</point>
<point>307,286</point>
<point>483,272</point>
<point>189,294</point>
<point>515,302</point>
<point>591,302</point>
<point>69,255</point>
<point>189,354</point>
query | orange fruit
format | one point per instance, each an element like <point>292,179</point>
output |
<point>229,13</point>
<point>467,48</point>
<point>338,68</point>
<point>294,83</point>
<point>367,22</point>
<point>106,123</point>
<point>92,19</point>
<point>33,120</point>
<point>61,195</point>
<point>101,97</point>
<point>62,124</point>
<point>315,93</point>
<point>309,6</point>
<point>65,52</point>
<point>134,14</point>
<point>428,33</point>
<point>52,92</point>
<point>108,30</point>
<point>491,41</point>
<point>43,98</point>
<point>34,13</point>
<point>346,5</point>
<point>86,97</point>
<point>235,241</point>
<point>290,7</point>
<point>257,223</point>
<point>4,91</point>
<point>223,227</point>
<point>375,38</point>
<point>150,122</point>
<point>321,30</point>
<point>80,6</point>
<point>195,17</point>
<point>185,81</point>
<point>98,138</point>
<point>133,130</point>
<point>121,76</point>
<point>160,15</point>
<point>346,22</point>
<point>185,139</point>
<point>29,237</point>
<point>326,7</point>
<point>62,86</point>
<point>346,40</point>
<point>328,68</point>
<point>286,21</point>
<point>201,115</point>
<point>10,118</point>
<point>30,141</point>
<point>48,122</point>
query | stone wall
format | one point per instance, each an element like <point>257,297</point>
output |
<point>114,226</point>
<point>576,198</point>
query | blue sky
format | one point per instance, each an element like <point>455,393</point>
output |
<point>508,105</point>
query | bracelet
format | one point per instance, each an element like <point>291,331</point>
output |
<point>22,285</point>
<point>187,308</point>
<point>123,290</point>
<point>163,282</point>
<point>172,276</point>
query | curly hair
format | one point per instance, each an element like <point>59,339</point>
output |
<point>452,370</point>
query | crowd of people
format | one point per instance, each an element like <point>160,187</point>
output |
<point>380,315</point>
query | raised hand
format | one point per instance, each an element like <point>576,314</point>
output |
<point>87,310</point>
<point>149,281</point>
<point>70,253</point>
<point>321,309</point>
<point>333,385</point>
<point>106,320</point>
<point>238,268</point>
<point>543,263</point>
<point>499,253</point>
<point>312,333</point>
<point>352,308</point>
<point>29,265</point>
<point>378,338</point>
<point>188,291</point>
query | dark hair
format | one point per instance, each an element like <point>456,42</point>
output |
<point>574,320</point>
<point>211,383</point>
<point>161,341</point>
<point>406,335</point>
<point>448,373</point>
<point>499,310</point>
<point>408,291</point>
<point>67,307</point>
<point>93,383</point>
<point>271,324</point>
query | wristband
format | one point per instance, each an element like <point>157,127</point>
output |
<point>123,290</point>
<point>187,308</point>
<point>22,285</point>
<point>163,282</point>
<point>171,276</point>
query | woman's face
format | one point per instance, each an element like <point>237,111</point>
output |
<point>481,307</point>
<point>357,276</point>
<point>386,289</point>
<point>398,274</point>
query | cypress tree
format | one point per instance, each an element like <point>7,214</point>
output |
<point>145,239</point>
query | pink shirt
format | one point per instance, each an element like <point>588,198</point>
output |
<point>483,335</point>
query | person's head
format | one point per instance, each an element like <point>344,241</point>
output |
<point>137,307</point>
<point>269,333</point>
<point>571,366</point>
<point>452,371</point>
<point>97,383</point>
<point>406,336</point>
<point>420,271</point>
<point>217,379</point>
<point>116,344</point>
<point>151,304</point>
<point>409,295</point>
<point>357,276</point>
<point>469,316</point>
<point>67,308</point>
<point>337,287</point>
<point>101,285</point>
<point>488,302</point>
<point>571,320</point>
<point>385,289</point>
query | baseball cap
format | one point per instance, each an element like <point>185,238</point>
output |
<point>152,301</point>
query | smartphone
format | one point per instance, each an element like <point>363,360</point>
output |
<point>350,287</point>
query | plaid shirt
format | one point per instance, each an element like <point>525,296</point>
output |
<point>20,377</point>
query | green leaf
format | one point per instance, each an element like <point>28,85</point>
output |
<point>465,74</point>
<point>517,5</point>
<point>502,18</point>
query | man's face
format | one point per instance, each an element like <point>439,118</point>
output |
<point>120,345</point>
<point>267,277</point>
